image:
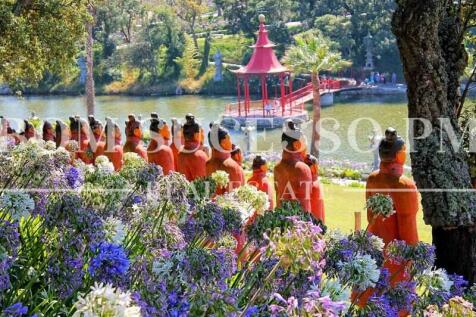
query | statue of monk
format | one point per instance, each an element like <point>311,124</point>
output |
<point>177,141</point>
<point>62,134</point>
<point>134,137</point>
<point>159,151</point>
<point>389,180</point>
<point>220,160</point>
<point>293,178</point>
<point>236,154</point>
<point>317,200</point>
<point>260,180</point>
<point>8,131</point>
<point>113,148</point>
<point>191,159</point>
<point>80,133</point>
<point>48,132</point>
<point>97,143</point>
<point>29,132</point>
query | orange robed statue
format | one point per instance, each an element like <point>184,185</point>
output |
<point>159,152</point>
<point>317,199</point>
<point>191,159</point>
<point>389,180</point>
<point>260,180</point>
<point>96,142</point>
<point>221,160</point>
<point>134,138</point>
<point>113,149</point>
<point>80,133</point>
<point>293,178</point>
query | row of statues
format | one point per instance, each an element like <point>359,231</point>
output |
<point>181,148</point>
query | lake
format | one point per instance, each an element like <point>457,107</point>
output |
<point>350,118</point>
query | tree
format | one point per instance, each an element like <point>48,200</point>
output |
<point>39,36</point>
<point>430,39</point>
<point>190,11</point>
<point>313,53</point>
<point>90,91</point>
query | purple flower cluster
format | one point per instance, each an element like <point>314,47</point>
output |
<point>15,310</point>
<point>459,285</point>
<point>379,306</point>
<point>109,264</point>
<point>74,177</point>
<point>210,218</point>
<point>403,296</point>
<point>422,255</point>
<point>146,310</point>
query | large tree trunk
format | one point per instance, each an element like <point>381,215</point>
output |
<point>90,93</point>
<point>433,61</point>
<point>316,115</point>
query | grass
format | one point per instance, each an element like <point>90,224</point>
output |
<point>341,202</point>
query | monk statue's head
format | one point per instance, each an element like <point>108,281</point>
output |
<point>260,164</point>
<point>219,138</point>
<point>29,131</point>
<point>78,127</point>
<point>191,129</point>
<point>392,148</point>
<point>313,163</point>
<point>133,127</point>
<point>48,131</point>
<point>112,131</point>
<point>292,138</point>
<point>236,154</point>
<point>159,126</point>
<point>96,126</point>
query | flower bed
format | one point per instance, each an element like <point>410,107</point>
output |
<point>87,241</point>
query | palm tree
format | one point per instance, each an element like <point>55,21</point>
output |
<point>312,53</point>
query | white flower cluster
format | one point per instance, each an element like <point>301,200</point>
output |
<point>435,280</point>
<point>106,301</point>
<point>115,231</point>
<point>381,205</point>
<point>220,178</point>
<point>362,272</point>
<point>246,199</point>
<point>17,204</point>
<point>103,165</point>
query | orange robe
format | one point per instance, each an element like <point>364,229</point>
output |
<point>175,152</point>
<point>134,144</point>
<point>84,154</point>
<point>260,181</point>
<point>293,180</point>
<point>115,155</point>
<point>401,225</point>
<point>192,161</point>
<point>317,200</point>
<point>223,162</point>
<point>161,155</point>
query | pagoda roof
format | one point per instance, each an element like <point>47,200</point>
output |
<point>263,60</point>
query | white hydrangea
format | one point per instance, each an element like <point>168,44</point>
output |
<point>103,165</point>
<point>17,204</point>
<point>106,301</point>
<point>115,231</point>
<point>220,178</point>
<point>101,159</point>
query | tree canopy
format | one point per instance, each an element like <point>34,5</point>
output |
<point>39,36</point>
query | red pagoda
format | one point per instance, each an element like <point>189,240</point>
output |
<point>268,111</point>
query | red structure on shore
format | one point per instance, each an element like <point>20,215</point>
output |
<point>269,112</point>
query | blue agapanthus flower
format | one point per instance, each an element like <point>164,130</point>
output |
<point>73,177</point>
<point>459,285</point>
<point>15,310</point>
<point>109,264</point>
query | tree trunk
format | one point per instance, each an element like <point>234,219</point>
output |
<point>433,61</point>
<point>90,93</point>
<point>316,115</point>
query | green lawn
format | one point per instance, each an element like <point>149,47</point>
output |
<point>341,202</point>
